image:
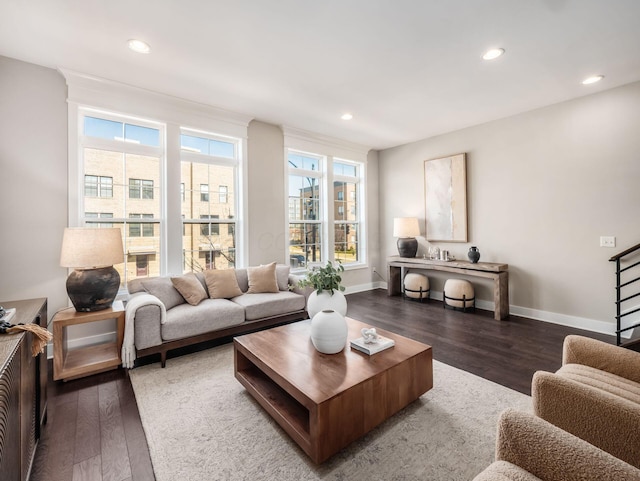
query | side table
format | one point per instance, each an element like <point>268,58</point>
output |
<point>74,363</point>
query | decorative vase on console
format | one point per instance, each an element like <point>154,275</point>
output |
<point>327,292</point>
<point>474,254</point>
<point>329,331</point>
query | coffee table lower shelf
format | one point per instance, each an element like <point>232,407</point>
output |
<point>292,416</point>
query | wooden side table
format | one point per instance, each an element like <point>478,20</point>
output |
<point>74,363</point>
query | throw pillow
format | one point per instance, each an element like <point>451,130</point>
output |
<point>163,289</point>
<point>282,274</point>
<point>190,288</point>
<point>222,283</point>
<point>262,279</point>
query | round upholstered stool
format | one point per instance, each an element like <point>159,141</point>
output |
<point>459,293</point>
<point>416,286</point>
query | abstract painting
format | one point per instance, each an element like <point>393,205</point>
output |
<point>445,189</point>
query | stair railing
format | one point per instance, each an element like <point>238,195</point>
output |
<point>619,259</point>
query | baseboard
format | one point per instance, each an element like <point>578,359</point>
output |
<point>365,287</point>
<point>592,325</point>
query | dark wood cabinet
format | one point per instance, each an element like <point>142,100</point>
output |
<point>23,394</point>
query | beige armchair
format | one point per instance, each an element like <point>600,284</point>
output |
<point>595,395</point>
<point>529,449</point>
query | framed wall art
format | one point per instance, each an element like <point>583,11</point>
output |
<point>445,193</point>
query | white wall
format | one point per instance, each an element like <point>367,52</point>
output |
<point>33,160</point>
<point>542,188</point>
<point>266,195</point>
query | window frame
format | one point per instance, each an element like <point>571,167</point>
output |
<point>107,99</point>
<point>212,223</point>
<point>329,155</point>
<point>356,196</point>
<point>123,147</point>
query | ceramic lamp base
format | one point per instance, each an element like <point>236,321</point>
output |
<point>407,246</point>
<point>93,289</point>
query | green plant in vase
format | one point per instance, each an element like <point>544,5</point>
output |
<point>326,282</point>
<point>327,278</point>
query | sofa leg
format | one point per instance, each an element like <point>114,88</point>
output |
<point>163,359</point>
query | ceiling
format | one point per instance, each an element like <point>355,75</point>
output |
<point>405,69</point>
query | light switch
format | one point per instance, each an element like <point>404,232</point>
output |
<point>607,241</point>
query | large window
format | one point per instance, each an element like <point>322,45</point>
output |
<point>324,209</point>
<point>136,148</point>
<point>208,161</point>
<point>346,184</point>
<point>305,203</point>
<point>121,162</point>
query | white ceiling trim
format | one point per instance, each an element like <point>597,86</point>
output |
<point>322,144</point>
<point>90,91</point>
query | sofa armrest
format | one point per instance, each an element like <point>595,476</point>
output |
<point>600,355</point>
<point>605,420</point>
<point>294,280</point>
<point>552,454</point>
<point>146,311</point>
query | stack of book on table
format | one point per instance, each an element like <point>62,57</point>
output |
<point>381,344</point>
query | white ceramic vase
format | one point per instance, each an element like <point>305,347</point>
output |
<point>329,331</point>
<point>318,302</point>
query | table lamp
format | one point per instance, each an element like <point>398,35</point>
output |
<point>92,252</point>
<point>406,229</point>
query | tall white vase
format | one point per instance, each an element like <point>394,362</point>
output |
<point>317,302</point>
<point>329,331</point>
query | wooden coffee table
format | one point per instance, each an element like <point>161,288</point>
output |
<point>325,402</point>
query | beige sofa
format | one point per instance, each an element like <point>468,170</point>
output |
<point>531,449</point>
<point>160,319</point>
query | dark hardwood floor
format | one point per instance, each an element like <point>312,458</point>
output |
<point>94,430</point>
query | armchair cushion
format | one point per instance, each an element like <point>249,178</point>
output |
<point>600,355</point>
<point>602,380</point>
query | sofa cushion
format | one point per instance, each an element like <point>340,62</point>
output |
<point>222,283</point>
<point>243,279</point>
<point>163,289</point>
<point>262,279</point>
<point>210,315</point>
<point>282,276</point>
<point>190,288</point>
<point>258,306</point>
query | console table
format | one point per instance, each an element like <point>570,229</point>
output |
<point>498,272</point>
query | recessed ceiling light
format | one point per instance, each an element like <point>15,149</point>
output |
<point>138,46</point>
<point>346,116</point>
<point>493,53</point>
<point>592,80</point>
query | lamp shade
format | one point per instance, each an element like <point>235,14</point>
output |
<point>88,248</point>
<point>406,227</point>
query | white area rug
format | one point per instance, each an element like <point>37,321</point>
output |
<point>202,425</point>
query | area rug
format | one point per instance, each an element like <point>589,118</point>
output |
<point>201,424</point>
